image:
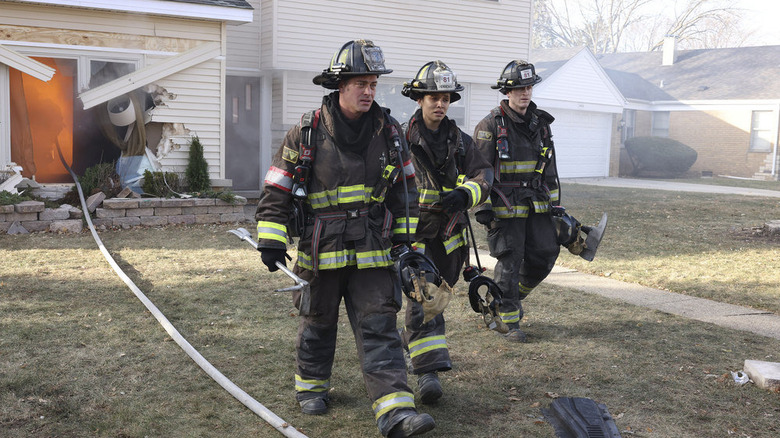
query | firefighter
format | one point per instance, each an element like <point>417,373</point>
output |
<point>515,137</point>
<point>353,173</point>
<point>451,177</point>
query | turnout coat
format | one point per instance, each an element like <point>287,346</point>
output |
<point>464,168</point>
<point>519,189</point>
<point>346,223</point>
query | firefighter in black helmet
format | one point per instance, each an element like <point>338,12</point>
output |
<point>351,171</point>
<point>451,177</point>
<point>515,137</point>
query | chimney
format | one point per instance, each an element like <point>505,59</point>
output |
<point>669,50</point>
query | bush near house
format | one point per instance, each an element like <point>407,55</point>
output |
<point>101,177</point>
<point>659,155</point>
<point>8,198</point>
<point>161,184</point>
<point>197,172</point>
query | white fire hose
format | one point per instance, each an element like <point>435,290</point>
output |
<point>279,424</point>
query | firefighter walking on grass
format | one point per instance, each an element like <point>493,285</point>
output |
<point>451,177</point>
<point>351,170</point>
<point>515,137</point>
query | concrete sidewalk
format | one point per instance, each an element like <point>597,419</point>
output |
<point>727,315</point>
<point>671,185</point>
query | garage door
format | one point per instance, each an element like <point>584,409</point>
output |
<point>582,142</point>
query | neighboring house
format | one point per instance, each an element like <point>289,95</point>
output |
<point>271,62</point>
<point>131,80</point>
<point>724,103</point>
<point>587,107</point>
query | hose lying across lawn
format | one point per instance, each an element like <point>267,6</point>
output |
<point>240,395</point>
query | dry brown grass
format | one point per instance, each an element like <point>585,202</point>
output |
<point>81,356</point>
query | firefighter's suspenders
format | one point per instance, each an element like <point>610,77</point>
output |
<point>309,122</point>
<point>502,147</point>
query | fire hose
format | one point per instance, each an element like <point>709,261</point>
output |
<point>279,424</point>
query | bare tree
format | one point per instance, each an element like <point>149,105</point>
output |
<point>635,25</point>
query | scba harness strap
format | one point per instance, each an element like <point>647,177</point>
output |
<point>301,174</point>
<point>502,146</point>
<point>309,122</point>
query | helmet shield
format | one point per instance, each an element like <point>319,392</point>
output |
<point>433,77</point>
<point>355,58</point>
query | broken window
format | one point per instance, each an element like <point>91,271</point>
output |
<point>48,115</point>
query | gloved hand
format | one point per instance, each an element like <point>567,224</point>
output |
<point>454,201</point>
<point>272,255</point>
<point>485,217</point>
<point>398,250</point>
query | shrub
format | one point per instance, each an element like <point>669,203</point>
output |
<point>197,172</point>
<point>8,198</point>
<point>161,184</point>
<point>660,155</point>
<point>101,177</point>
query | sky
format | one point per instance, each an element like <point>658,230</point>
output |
<point>764,16</point>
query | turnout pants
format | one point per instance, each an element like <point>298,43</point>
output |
<point>426,343</point>
<point>526,250</point>
<point>372,301</point>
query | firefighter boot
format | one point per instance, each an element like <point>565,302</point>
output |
<point>430,387</point>
<point>515,334</point>
<point>412,425</point>
<point>314,406</point>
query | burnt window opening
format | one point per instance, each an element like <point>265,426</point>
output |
<point>45,115</point>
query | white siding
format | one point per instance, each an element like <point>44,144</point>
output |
<point>197,104</point>
<point>581,83</point>
<point>267,32</point>
<point>483,99</point>
<point>243,43</point>
<point>472,36</point>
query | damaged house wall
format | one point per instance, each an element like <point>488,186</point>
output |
<point>187,101</point>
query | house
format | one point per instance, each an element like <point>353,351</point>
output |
<point>130,80</point>
<point>587,107</point>
<point>724,103</point>
<point>237,73</point>
<point>271,63</point>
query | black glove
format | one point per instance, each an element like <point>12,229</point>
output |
<point>272,255</point>
<point>454,201</point>
<point>484,216</point>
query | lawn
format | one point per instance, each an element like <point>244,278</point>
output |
<point>81,356</point>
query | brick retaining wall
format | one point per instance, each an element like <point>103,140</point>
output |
<point>120,213</point>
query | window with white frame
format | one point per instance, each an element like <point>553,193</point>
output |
<point>660,127</point>
<point>761,131</point>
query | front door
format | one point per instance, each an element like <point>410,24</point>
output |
<point>242,132</point>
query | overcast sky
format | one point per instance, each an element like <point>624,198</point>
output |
<point>765,14</point>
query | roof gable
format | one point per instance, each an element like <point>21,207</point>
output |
<point>574,75</point>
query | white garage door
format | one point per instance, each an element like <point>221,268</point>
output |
<point>581,142</point>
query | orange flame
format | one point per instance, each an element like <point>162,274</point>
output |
<point>50,110</point>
